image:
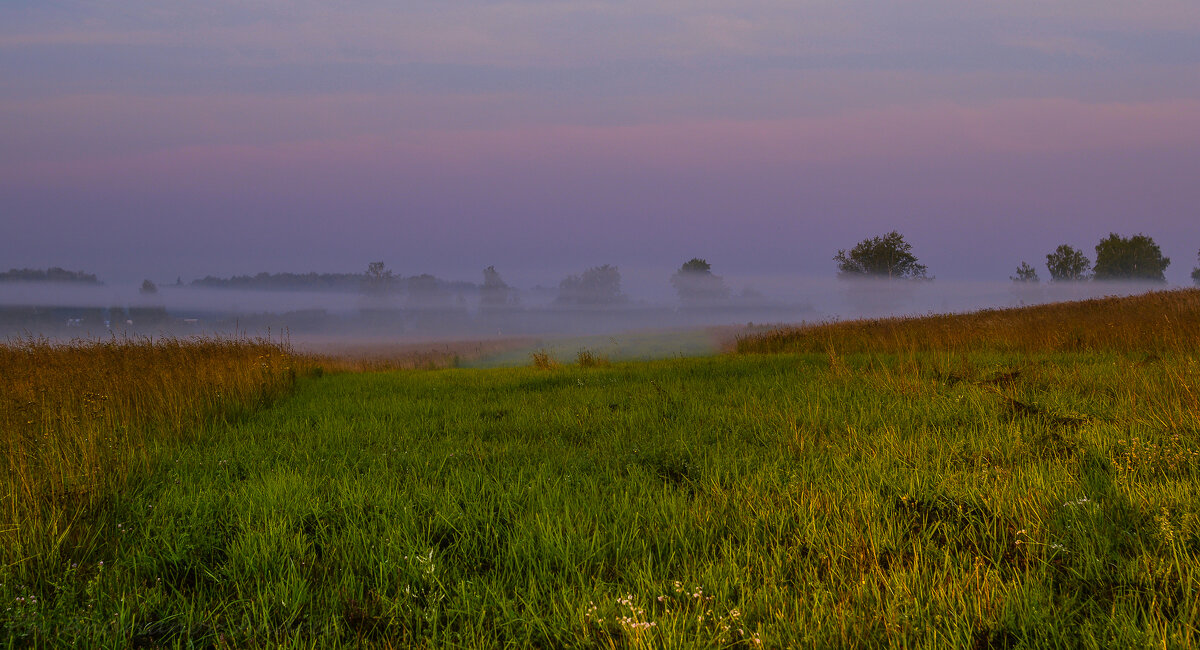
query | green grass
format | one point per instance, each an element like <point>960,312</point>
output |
<point>631,346</point>
<point>986,499</point>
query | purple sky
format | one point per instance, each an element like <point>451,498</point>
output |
<point>161,139</point>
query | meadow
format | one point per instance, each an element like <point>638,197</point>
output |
<point>1019,478</point>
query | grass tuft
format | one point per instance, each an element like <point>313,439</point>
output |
<point>543,361</point>
<point>588,359</point>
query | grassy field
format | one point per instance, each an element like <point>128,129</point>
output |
<point>924,486</point>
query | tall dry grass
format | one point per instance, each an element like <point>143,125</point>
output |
<point>78,420</point>
<point>1160,321</point>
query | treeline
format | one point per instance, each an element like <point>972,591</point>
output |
<point>376,279</point>
<point>52,274</point>
<point>888,256</point>
<point>286,282</point>
<point>1136,258</point>
<point>1117,258</point>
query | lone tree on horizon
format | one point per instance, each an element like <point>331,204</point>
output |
<point>696,284</point>
<point>1130,258</point>
<point>1196,271</point>
<point>1067,264</point>
<point>888,256</point>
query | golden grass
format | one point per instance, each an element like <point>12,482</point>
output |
<point>77,420</point>
<point>1162,321</point>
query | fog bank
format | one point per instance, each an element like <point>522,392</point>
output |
<point>81,311</point>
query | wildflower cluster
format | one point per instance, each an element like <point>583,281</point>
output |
<point>636,619</point>
<point>1136,457</point>
<point>22,618</point>
<point>1175,525</point>
<point>681,609</point>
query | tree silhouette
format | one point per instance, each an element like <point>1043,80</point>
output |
<point>1130,258</point>
<point>696,284</point>
<point>1067,264</point>
<point>1025,273</point>
<point>888,256</point>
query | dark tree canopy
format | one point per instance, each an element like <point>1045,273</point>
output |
<point>1130,258</point>
<point>1025,273</point>
<point>148,287</point>
<point>1196,271</point>
<point>1067,264</point>
<point>888,256</point>
<point>696,284</point>
<point>599,285</point>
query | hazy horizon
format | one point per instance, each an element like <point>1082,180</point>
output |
<point>459,314</point>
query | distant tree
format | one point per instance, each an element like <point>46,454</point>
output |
<point>599,285</point>
<point>1196,271</point>
<point>888,256</point>
<point>696,284</point>
<point>495,292</point>
<point>1130,258</point>
<point>378,279</point>
<point>1067,264</point>
<point>1025,273</point>
<point>148,287</point>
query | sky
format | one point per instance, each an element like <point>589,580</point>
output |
<point>162,139</point>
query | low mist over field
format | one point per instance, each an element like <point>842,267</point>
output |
<point>462,311</point>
